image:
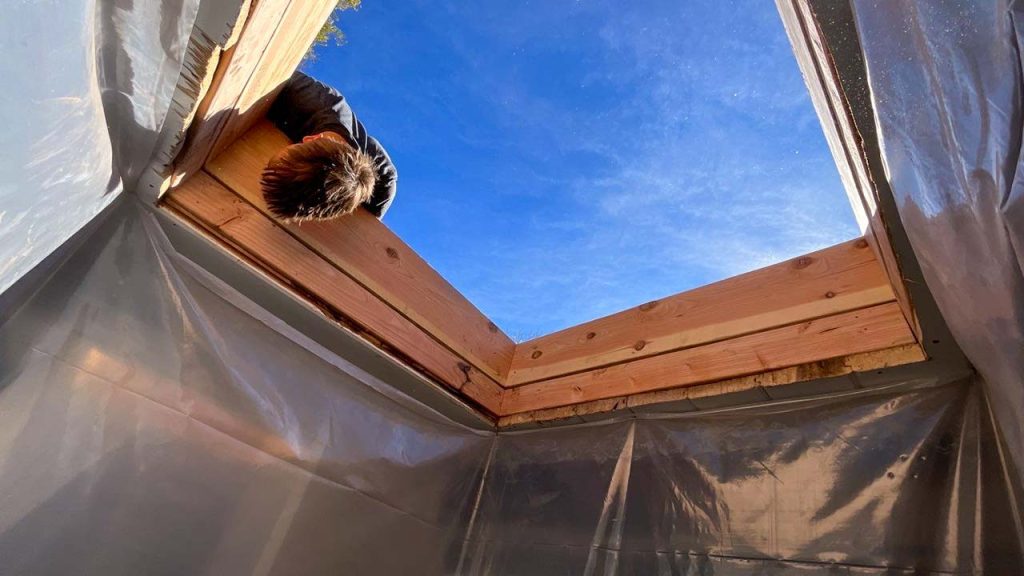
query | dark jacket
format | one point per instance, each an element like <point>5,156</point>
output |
<point>306,106</point>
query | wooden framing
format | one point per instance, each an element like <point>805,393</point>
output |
<point>830,369</point>
<point>377,259</point>
<point>274,38</point>
<point>830,304</point>
<point>836,311</point>
<point>831,281</point>
<point>818,68</point>
<point>242,228</point>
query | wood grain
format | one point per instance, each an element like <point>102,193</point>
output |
<point>378,259</point>
<point>837,121</point>
<point>837,279</point>
<point>864,330</point>
<point>830,368</point>
<point>273,40</point>
<point>236,222</point>
<point>299,26</point>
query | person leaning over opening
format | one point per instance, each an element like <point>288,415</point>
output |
<point>334,166</point>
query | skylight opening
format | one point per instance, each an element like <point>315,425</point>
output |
<point>561,161</point>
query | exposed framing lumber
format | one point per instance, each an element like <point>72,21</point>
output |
<point>376,258</point>
<point>865,330</point>
<point>834,112</point>
<point>275,37</point>
<point>828,304</point>
<point>234,221</point>
<point>832,312</point>
<point>830,281</point>
<point>830,368</point>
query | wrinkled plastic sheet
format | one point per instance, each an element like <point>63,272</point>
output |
<point>868,484</point>
<point>946,89</point>
<point>155,421</point>
<point>151,425</point>
<point>87,86</point>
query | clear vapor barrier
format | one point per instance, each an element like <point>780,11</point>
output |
<point>88,84</point>
<point>150,426</point>
<point>946,88</point>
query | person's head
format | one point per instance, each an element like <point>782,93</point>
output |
<point>321,177</point>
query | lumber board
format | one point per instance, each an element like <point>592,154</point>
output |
<point>273,40</point>
<point>865,330</point>
<point>234,221</point>
<point>299,26</point>
<point>377,258</point>
<point>236,66</point>
<point>831,368</point>
<point>843,139</point>
<point>837,279</point>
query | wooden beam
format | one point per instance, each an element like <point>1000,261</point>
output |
<point>865,330</point>
<point>836,116</point>
<point>234,221</point>
<point>831,368</point>
<point>837,279</point>
<point>289,45</point>
<point>276,35</point>
<point>374,256</point>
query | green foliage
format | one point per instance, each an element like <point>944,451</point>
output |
<point>330,33</point>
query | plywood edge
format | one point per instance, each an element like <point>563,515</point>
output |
<point>828,368</point>
<point>253,237</point>
<point>874,328</point>
<point>375,257</point>
<point>833,280</point>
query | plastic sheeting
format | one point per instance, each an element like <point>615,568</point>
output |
<point>884,483</point>
<point>154,421</point>
<point>151,426</point>
<point>946,87</point>
<point>87,85</point>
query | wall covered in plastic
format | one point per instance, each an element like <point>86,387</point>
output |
<point>149,425</point>
<point>946,88</point>
<point>898,480</point>
<point>87,84</point>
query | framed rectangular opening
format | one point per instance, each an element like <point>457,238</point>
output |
<point>832,312</point>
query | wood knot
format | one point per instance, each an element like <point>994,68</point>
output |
<point>392,252</point>
<point>591,335</point>
<point>830,294</point>
<point>536,354</point>
<point>492,327</point>
<point>648,306</point>
<point>803,262</point>
<point>862,243</point>
<point>639,345</point>
<point>465,368</point>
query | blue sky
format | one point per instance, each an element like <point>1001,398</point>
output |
<point>561,160</point>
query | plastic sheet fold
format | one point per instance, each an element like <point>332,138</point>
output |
<point>946,89</point>
<point>149,426</point>
<point>87,86</point>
